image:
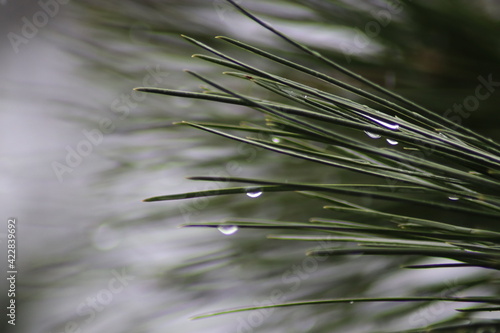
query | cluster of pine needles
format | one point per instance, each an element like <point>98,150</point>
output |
<point>428,161</point>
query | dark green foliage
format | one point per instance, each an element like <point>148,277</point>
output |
<point>427,161</point>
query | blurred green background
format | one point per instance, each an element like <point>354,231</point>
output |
<point>93,257</point>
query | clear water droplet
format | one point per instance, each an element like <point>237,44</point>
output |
<point>228,229</point>
<point>373,135</point>
<point>453,198</point>
<point>393,127</point>
<point>254,193</point>
<point>392,142</point>
<point>276,140</point>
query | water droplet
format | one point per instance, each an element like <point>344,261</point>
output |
<point>276,140</point>
<point>254,193</point>
<point>453,198</point>
<point>228,229</point>
<point>393,127</point>
<point>373,135</point>
<point>392,142</point>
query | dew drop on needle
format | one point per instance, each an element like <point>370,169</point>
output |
<point>228,229</point>
<point>254,194</point>
<point>373,135</point>
<point>392,142</point>
<point>393,127</point>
